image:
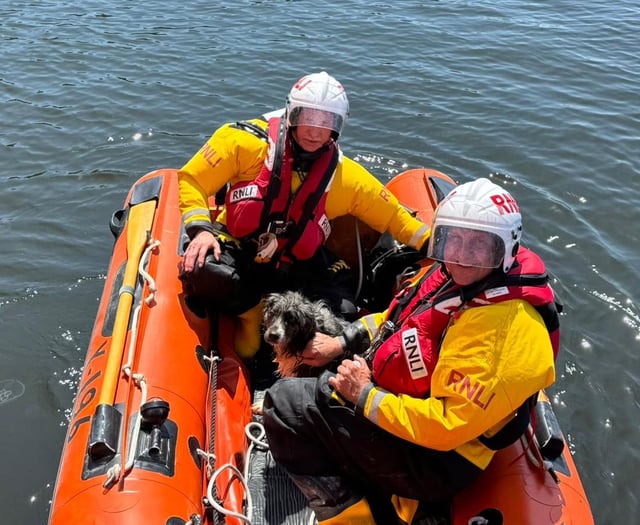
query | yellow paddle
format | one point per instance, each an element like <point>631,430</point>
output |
<point>138,228</point>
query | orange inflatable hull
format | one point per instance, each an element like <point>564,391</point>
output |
<point>169,346</point>
<point>118,467</point>
<point>518,487</point>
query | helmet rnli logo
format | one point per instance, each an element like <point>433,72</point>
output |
<point>505,203</point>
<point>303,83</point>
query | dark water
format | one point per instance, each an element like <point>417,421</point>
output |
<point>543,94</point>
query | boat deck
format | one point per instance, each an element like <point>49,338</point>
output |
<point>275,498</point>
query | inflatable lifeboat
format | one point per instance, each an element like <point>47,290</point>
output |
<point>162,430</point>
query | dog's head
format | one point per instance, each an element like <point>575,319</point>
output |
<point>289,321</point>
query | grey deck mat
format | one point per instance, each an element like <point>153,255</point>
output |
<point>276,500</point>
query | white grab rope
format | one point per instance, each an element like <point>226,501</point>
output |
<point>151,283</point>
<point>259,442</point>
<point>115,472</point>
<point>220,508</point>
<point>209,458</point>
<point>242,477</point>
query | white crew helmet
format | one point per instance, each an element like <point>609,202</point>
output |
<point>482,206</point>
<point>322,93</point>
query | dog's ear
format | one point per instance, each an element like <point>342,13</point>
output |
<point>272,303</point>
<point>321,304</point>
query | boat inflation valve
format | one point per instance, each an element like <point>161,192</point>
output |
<point>154,413</point>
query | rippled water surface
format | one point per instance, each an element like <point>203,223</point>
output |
<point>544,95</point>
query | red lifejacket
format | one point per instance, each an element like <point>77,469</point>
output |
<point>265,204</point>
<point>409,341</point>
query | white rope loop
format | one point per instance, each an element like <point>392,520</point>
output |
<point>116,472</point>
<point>151,283</point>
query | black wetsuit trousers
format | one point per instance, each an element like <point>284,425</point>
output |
<point>311,434</point>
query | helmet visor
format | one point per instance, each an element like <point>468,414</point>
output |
<point>466,247</point>
<point>317,118</point>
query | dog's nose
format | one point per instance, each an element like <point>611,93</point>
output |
<point>271,337</point>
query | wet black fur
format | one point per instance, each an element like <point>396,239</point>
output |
<point>290,321</point>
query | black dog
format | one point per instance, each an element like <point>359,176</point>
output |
<point>290,321</point>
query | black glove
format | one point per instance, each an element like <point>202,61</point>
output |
<point>355,339</point>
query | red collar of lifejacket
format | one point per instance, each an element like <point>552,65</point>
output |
<point>528,274</point>
<point>527,280</point>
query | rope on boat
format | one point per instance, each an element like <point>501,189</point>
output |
<point>534,454</point>
<point>256,434</point>
<point>116,471</point>
<point>226,512</point>
<point>257,441</point>
<point>151,283</point>
<point>210,458</point>
<point>211,496</point>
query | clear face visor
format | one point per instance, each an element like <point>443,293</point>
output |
<point>316,118</point>
<point>466,246</point>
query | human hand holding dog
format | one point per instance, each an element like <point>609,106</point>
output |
<point>321,350</point>
<point>351,379</point>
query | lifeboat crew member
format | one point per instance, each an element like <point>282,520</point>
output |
<point>456,366</point>
<point>287,179</point>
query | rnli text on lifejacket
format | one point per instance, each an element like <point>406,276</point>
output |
<point>412,352</point>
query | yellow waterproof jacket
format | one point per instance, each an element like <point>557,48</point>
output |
<point>233,155</point>
<point>491,360</point>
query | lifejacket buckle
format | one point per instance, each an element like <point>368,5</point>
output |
<point>278,228</point>
<point>267,246</point>
<point>385,331</point>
